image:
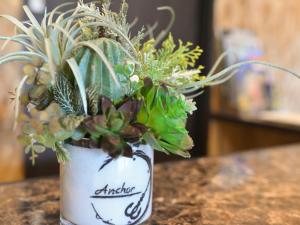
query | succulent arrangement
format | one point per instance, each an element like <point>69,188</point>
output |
<point>87,81</point>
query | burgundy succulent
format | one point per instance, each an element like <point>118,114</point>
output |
<point>115,127</point>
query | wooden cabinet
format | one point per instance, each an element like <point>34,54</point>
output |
<point>230,132</point>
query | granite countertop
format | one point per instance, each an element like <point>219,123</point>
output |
<point>253,188</point>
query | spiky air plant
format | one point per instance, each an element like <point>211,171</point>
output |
<point>68,54</point>
<point>87,80</point>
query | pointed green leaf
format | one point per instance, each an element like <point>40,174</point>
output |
<point>151,140</point>
<point>16,22</point>
<point>32,19</point>
<point>17,100</point>
<point>77,74</point>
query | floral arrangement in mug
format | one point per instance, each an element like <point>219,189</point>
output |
<point>88,82</point>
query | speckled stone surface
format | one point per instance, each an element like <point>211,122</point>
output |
<point>254,188</point>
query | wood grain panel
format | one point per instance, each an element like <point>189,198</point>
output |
<point>276,23</point>
<point>11,156</point>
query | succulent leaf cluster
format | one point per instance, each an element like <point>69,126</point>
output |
<point>114,128</point>
<point>166,113</point>
<point>87,81</point>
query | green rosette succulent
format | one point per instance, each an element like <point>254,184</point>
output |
<point>165,113</point>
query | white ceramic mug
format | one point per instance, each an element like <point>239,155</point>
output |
<point>97,189</point>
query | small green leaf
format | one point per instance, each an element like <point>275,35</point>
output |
<point>63,135</point>
<point>46,139</point>
<point>151,140</point>
<point>103,131</point>
<point>38,149</point>
<point>27,149</point>
<point>116,124</point>
<point>62,154</point>
<point>78,135</point>
<point>24,140</point>
<point>27,129</point>
<point>71,122</point>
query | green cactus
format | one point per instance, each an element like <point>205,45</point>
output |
<point>100,72</point>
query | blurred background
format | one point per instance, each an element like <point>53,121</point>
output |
<point>258,108</point>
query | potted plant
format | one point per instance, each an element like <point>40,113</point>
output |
<point>102,101</point>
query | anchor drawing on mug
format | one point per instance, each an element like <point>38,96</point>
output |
<point>125,201</point>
